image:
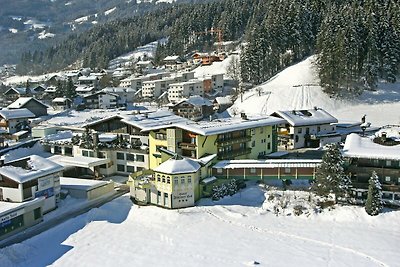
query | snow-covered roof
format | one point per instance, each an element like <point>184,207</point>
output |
<point>147,62</point>
<point>154,120</point>
<point>84,88</point>
<point>79,161</point>
<point>60,100</point>
<point>18,113</point>
<point>18,90</point>
<point>206,159</point>
<point>37,167</point>
<point>196,101</point>
<point>8,207</point>
<point>223,100</point>
<point>224,125</point>
<point>22,101</point>
<point>306,117</point>
<point>87,78</point>
<point>177,165</point>
<point>363,147</point>
<point>209,180</point>
<point>171,58</point>
<point>81,184</point>
<point>118,90</point>
<point>268,163</point>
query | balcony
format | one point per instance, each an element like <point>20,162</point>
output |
<point>233,140</point>
<point>234,153</point>
<point>189,146</point>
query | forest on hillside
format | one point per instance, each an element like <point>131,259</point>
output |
<point>357,42</point>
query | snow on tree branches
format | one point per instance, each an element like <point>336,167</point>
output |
<point>373,205</point>
<point>330,177</point>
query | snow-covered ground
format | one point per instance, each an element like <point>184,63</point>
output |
<point>147,50</point>
<point>236,231</point>
<point>297,87</point>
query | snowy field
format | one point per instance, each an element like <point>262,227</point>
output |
<point>297,87</point>
<point>236,231</point>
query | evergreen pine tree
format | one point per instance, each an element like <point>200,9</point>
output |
<point>374,203</point>
<point>330,176</point>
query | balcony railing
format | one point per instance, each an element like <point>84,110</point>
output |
<point>233,140</point>
<point>184,145</point>
<point>234,153</point>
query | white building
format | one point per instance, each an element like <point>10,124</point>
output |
<point>179,91</point>
<point>29,178</point>
<point>125,95</point>
<point>154,88</point>
<point>306,128</point>
<point>101,100</point>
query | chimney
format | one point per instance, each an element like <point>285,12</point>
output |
<point>243,116</point>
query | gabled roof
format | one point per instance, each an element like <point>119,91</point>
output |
<point>16,113</point>
<point>19,90</point>
<point>178,165</point>
<point>101,93</point>
<point>22,101</point>
<point>87,78</point>
<point>363,147</point>
<point>313,116</point>
<point>37,167</point>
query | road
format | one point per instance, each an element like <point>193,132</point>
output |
<point>48,224</point>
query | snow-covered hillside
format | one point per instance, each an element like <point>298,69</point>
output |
<point>236,231</point>
<point>297,87</point>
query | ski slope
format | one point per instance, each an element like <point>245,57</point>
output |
<point>297,87</point>
<point>236,231</point>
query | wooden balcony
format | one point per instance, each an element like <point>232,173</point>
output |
<point>188,146</point>
<point>234,153</point>
<point>233,140</point>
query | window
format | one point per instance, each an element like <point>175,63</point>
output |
<point>296,139</point>
<point>85,153</point>
<point>182,180</point>
<point>120,168</point>
<point>161,136</point>
<point>253,144</point>
<point>387,179</point>
<point>120,156</point>
<point>269,146</point>
<point>318,128</point>
<point>130,157</point>
<point>138,169</point>
<point>269,136</point>
<point>158,178</point>
<point>219,170</point>
<point>130,169</point>
<point>252,132</point>
<point>176,182</point>
<point>287,170</point>
<point>189,180</point>
<point>140,158</point>
<point>261,130</point>
<point>37,214</point>
<point>168,180</point>
<point>253,170</point>
<point>300,130</point>
<point>163,178</point>
<point>388,163</point>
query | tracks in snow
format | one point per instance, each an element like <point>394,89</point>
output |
<point>286,235</point>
